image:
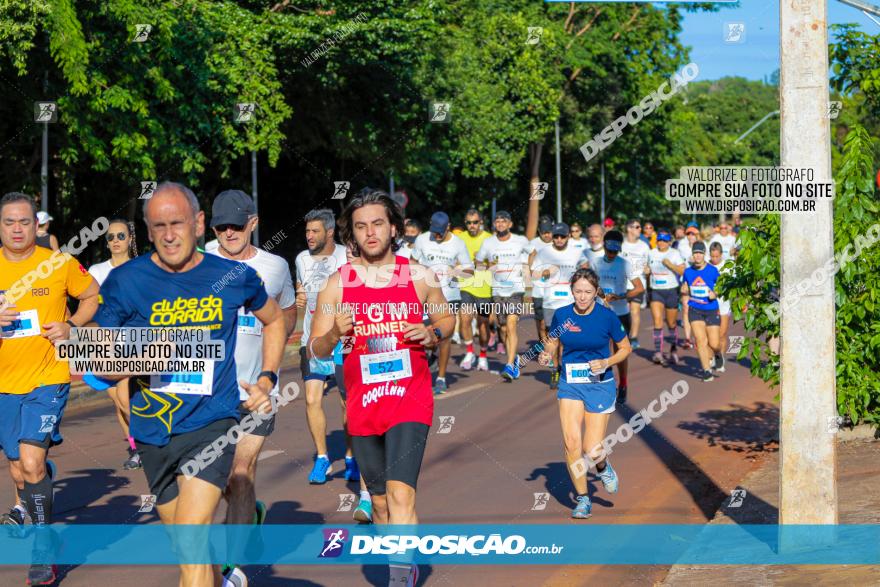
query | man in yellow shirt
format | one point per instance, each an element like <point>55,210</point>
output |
<point>34,285</point>
<point>476,295</point>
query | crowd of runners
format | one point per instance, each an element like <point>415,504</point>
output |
<point>384,306</point>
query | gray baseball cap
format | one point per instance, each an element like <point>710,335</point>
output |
<point>232,207</point>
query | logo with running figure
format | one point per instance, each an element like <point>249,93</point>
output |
<point>334,540</point>
<point>47,423</point>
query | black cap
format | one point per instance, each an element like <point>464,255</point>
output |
<point>613,240</point>
<point>560,228</point>
<point>545,226</point>
<point>232,207</point>
<point>698,247</point>
<point>503,214</point>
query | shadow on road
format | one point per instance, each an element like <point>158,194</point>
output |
<point>738,428</point>
<point>86,486</point>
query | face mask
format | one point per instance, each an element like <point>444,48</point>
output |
<point>409,239</point>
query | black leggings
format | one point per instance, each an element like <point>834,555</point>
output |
<point>395,455</point>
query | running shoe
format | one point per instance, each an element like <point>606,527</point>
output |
<point>707,375</point>
<point>500,348</point>
<point>440,386</point>
<point>482,364</point>
<point>609,477</point>
<point>413,578</point>
<point>467,363</point>
<point>511,372</point>
<point>363,513</point>
<point>634,343</point>
<point>43,574</point>
<point>621,394</point>
<point>493,342</point>
<point>236,577</point>
<point>659,359</point>
<point>720,364</point>
<point>554,380</point>
<point>352,472</point>
<point>456,339</point>
<point>675,359</point>
<point>15,517</point>
<point>584,509</point>
<point>319,473</point>
<point>134,460</point>
<point>260,512</point>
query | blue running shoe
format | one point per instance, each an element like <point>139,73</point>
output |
<point>352,473</point>
<point>363,513</point>
<point>260,512</point>
<point>511,372</point>
<point>584,509</point>
<point>609,477</point>
<point>319,473</point>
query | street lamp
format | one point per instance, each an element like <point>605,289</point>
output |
<point>756,125</point>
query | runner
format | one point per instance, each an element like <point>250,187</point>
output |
<point>313,266</point>
<point>44,239</point>
<point>608,224</point>
<point>649,235</point>
<point>635,252</point>
<point>121,242</point>
<point>476,295</point>
<point>174,421</point>
<point>619,288</point>
<point>577,241</point>
<point>390,404</point>
<point>699,282</point>
<point>716,258</point>
<point>665,265</point>
<point>691,235</point>
<point>412,229</point>
<point>726,239</point>
<point>586,393</point>
<point>35,385</point>
<point>540,242</point>
<point>594,238</point>
<point>233,220</point>
<point>506,255</point>
<point>445,254</point>
<point>555,265</point>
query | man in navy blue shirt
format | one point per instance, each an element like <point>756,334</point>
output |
<point>174,419</point>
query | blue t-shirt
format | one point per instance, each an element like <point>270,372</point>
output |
<point>140,294</point>
<point>585,337</point>
<point>700,283</point>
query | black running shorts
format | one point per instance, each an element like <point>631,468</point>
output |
<point>710,317</point>
<point>476,305</point>
<point>264,428</point>
<point>162,464</point>
<point>393,456</point>
<point>668,297</point>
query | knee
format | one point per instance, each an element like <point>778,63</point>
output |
<point>32,467</point>
<point>400,497</point>
<point>313,399</point>
<point>572,443</point>
<point>242,477</point>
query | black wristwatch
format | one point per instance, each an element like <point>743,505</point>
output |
<point>438,333</point>
<point>72,325</point>
<point>273,377</point>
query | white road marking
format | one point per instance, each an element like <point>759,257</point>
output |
<point>268,454</point>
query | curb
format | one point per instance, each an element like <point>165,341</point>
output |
<point>860,432</point>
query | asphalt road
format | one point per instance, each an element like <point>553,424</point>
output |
<point>503,447</point>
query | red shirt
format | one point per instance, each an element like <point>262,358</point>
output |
<point>387,379</point>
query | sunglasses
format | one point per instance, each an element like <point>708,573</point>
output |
<point>560,236</point>
<point>472,222</point>
<point>225,227</point>
<point>637,226</point>
<point>119,235</point>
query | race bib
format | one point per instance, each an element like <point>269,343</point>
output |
<point>249,324</point>
<point>700,291</point>
<point>661,280</point>
<point>28,324</point>
<point>580,373</point>
<point>382,367</point>
<point>608,290</point>
<point>185,383</point>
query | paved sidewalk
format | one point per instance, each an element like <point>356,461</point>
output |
<point>858,489</point>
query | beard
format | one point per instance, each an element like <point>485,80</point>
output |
<point>502,233</point>
<point>317,248</point>
<point>372,258</point>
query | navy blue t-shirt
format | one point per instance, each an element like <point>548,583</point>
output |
<point>700,283</point>
<point>140,294</point>
<point>586,337</point>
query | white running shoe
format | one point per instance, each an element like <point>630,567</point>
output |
<point>467,363</point>
<point>482,364</point>
<point>456,339</point>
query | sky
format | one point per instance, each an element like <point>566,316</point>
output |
<point>757,55</point>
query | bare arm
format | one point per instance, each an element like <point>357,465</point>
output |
<point>328,326</point>
<point>88,305</point>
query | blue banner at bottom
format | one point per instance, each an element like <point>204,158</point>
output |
<point>438,544</point>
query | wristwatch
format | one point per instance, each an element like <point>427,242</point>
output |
<point>273,377</point>
<point>71,324</point>
<point>438,333</point>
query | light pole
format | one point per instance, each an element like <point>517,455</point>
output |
<point>255,237</point>
<point>756,125</point>
<point>558,178</point>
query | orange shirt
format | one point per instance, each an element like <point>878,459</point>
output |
<point>27,359</point>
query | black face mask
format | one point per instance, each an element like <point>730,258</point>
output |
<point>502,232</point>
<point>409,239</point>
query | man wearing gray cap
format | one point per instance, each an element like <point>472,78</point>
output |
<point>542,241</point>
<point>448,257</point>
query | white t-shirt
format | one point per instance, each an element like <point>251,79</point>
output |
<point>684,249</point>
<point>728,243</point>
<point>508,257</point>
<point>614,278</point>
<point>312,272</point>
<point>536,244</point>
<point>589,256</point>
<point>404,250</point>
<point>212,246</point>
<point>275,273</point>
<point>661,276</point>
<point>100,271</point>
<point>636,256</point>
<point>579,244</point>
<point>557,290</point>
<point>442,258</point>
<point>723,304</point>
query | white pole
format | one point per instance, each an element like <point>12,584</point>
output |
<point>602,217</point>
<point>808,465</point>
<point>558,178</point>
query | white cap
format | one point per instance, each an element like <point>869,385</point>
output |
<point>43,217</point>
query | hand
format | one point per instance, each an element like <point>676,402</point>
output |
<point>8,315</point>
<point>300,300</point>
<point>712,295</point>
<point>421,334</point>
<point>646,270</point>
<point>56,331</point>
<point>343,323</point>
<point>258,395</point>
<point>610,297</point>
<point>598,366</point>
<point>544,358</point>
<point>546,274</point>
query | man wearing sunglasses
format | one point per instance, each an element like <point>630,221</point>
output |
<point>476,295</point>
<point>233,220</point>
<point>542,241</point>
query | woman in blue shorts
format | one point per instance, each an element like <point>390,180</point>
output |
<point>587,391</point>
